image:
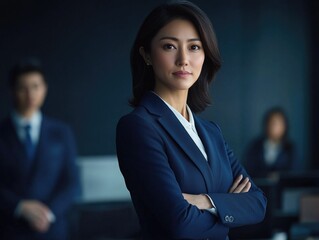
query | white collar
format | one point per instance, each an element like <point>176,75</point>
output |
<point>20,121</point>
<point>188,125</point>
<point>180,117</point>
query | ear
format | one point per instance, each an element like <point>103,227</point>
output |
<point>145,56</point>
<point>45,89</point>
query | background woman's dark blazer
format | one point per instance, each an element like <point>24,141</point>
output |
<point>255,162</point>
<point>51,177</point>
<point>160,161</point>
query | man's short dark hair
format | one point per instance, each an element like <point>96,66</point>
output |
<point>24,67</point>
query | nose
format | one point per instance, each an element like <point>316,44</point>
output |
<point>29,92</point>
<point>182,58</point>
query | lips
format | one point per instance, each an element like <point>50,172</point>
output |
<point>182,73</point>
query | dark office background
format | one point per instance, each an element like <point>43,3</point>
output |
<point>269,50</point>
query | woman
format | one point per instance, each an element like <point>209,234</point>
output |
<point>273,151</point>
<point>184,180</point>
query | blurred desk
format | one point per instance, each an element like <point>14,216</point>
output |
<point>291,187</point>
<point>104,210</point>
<point>101,179</point>
<point>302,231</point>
<point>283,208</point>
<point>104,220</point>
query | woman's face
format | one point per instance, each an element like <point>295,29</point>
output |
<point>276,127</point>
<point>177,56</point>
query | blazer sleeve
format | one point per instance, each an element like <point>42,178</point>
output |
<point>150,179</point>
<point>237,209</point>
<point>68,187</point>
<point>8,201</point>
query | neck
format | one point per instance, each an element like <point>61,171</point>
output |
<point>274,141</point>
<point>177,99</point>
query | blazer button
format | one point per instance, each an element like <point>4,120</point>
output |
<point>231,219</point>
<point>227,218</point>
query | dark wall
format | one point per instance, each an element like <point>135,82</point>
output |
<point>84,46</point>
<point>315,83</point>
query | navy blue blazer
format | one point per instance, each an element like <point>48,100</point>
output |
<point>160,161</point>
<point>51,178</point>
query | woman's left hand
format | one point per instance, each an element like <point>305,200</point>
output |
<point>201,201</point>
<point>240,185</point>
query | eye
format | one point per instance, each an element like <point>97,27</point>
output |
<point>169,46</point>
<point>195,47</point>
<point>35,86</point>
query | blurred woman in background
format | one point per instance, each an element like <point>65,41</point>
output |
<point>273,151</point>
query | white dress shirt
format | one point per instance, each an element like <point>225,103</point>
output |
<point>35,123</point>
<point>189,127</point>
<point>271,152</point>
<point>192,132</point>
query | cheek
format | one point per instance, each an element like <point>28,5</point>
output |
<point>162,60</point>
<point>160,67</point>
<point>199,61</point>
<point>20,96</point>
<point>197,66</point>
<point>40,96</point>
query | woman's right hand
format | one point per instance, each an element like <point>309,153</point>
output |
<point>240,185</point>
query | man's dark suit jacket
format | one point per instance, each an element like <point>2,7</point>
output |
<point>160,161</point>
<point>51,178</point>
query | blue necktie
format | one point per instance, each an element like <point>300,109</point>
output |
<point>29,146</point>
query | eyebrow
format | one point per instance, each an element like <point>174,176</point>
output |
<point>176,39</point>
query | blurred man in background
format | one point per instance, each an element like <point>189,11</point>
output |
<point>38,175</point>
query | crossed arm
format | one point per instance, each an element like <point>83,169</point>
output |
<point>202,201</point>
<point>148,175</point>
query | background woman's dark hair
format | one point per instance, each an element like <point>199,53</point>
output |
<point>269,114</point>
<point>30,65</point>
<point>143,76</point>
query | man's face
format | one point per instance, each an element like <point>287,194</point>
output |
<point>29,92</point>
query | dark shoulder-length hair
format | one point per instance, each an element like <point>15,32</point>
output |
<point>143,75</point>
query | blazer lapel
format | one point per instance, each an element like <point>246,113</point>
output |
<point>173,127</point>
<point>19,156</point>
<point>16,145</point>
<point>211,150</point>
<point>38,155</point>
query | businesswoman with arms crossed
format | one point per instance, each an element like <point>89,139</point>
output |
<point>184,180</point>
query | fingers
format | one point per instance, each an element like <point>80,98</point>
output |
<point>240,185</point>
<point>236,182</point>
<point>36,214</point>
<point>40,226</point>
<point>247,187</point>
<point>201,201</point>
<point>39,220</point>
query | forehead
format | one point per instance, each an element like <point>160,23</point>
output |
<point>276,117</point>
<point>178,28</point>
<point>30,77</point>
